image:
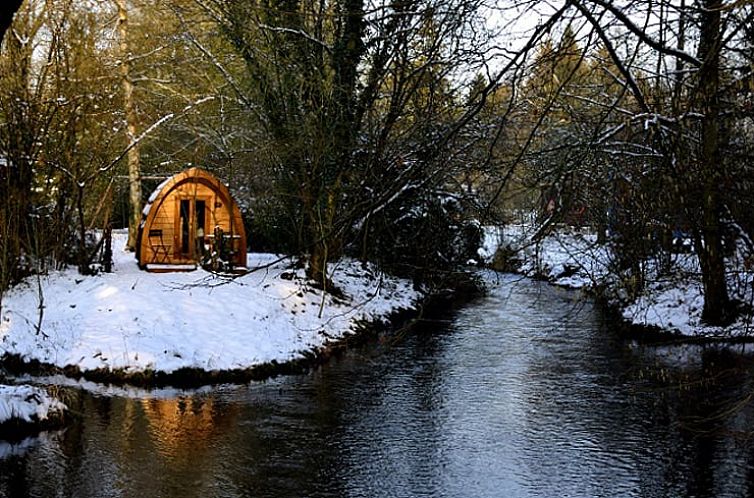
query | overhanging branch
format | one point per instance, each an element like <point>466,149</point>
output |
<point>648,40</point>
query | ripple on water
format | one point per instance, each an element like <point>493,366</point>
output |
<point>526,393</point>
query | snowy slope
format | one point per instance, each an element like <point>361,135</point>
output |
<point>671,301</point>
<point>27,403</point>
<point>569,257</point>
<point>137,321</point>
<point>675,302</point>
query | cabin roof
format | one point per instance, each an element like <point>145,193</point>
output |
<point>172,181</point>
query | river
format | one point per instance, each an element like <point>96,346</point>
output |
<point>526,392</point>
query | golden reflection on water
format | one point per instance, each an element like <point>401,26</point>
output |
<point>187,427</point>
<point>157,447</point>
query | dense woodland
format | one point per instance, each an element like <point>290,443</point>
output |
<point>385,130</point>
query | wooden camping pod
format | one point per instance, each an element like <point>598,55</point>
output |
<point>189,217</point>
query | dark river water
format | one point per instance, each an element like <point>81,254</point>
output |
<point>527,392</point>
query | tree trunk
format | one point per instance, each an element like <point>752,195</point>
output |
<point>317,267</point>
<point>17,175</point>
<point>679,64</point>
<point>83,260</point>
<point>717,306</point>
<point>107,254</point>
<point>134,166</point>
<point>325,243</point>
<point>323,210</point>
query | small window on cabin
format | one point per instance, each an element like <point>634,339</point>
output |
<point>200,209</point>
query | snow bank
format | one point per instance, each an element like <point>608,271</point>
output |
<point>28,404</point>
<point>672,300</point>
<point>492,239</point>
<point>138,321</point>
<point>675,302</point>
<point>568,256</point>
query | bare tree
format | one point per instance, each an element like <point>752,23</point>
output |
<point>133,157</point>
<point>363,106</point>
<point>660,122</point>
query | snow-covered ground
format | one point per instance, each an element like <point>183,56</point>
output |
<point>28,404</point>
<point>138,321</point>
<point>671,301</point>
<point>675,301</point>
<point>568,257</point>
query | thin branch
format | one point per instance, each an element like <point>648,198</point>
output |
<point>148,131</point>
<point>614,56</point>
<point>299,32</point>
<point>629,24</point>
<point>211,57</point>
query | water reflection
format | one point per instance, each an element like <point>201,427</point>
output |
<point>10,449</point>
<point>184,428</point>
<point>527,393</point>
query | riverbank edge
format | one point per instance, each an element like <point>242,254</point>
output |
<point>16,430</point>
<point>642,333</point>
<point>432,305</point>
<point>667,307</point>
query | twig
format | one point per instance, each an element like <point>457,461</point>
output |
<point>41,307</point>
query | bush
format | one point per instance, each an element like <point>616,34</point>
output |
<point>430,235</point>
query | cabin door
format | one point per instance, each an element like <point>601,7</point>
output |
<point>192,228</point>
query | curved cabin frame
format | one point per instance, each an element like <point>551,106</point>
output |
<point>182,220</point>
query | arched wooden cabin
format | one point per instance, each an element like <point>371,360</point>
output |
<point>189,217</point>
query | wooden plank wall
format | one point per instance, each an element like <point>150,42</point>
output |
<point>165,247</point>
